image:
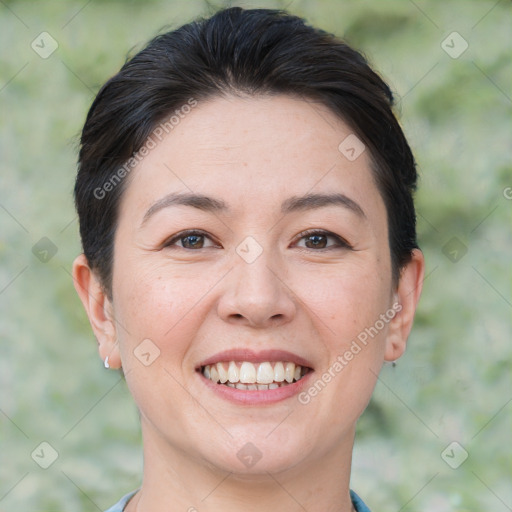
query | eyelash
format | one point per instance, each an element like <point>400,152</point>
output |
<point>340,242</point>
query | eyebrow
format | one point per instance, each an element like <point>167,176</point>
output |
<point>313,201</point>
<point>201,202</point>
<point>290,205</point>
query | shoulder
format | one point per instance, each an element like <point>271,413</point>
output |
<point>119,506</point>
<point>358,503</point>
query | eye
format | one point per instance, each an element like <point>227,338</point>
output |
<point>192,239</point>
<point>318,239</point>
<point>189,239</point>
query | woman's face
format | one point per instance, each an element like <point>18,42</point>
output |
<point>288,262</point>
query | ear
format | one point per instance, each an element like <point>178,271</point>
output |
<point>99,310</point>
<point>406,298</point>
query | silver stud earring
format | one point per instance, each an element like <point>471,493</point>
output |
<point>106,362</point>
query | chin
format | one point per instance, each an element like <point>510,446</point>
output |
<point>259,451</point>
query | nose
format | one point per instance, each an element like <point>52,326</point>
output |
<point>256,295</point>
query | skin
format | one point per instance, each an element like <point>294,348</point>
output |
<point>252,153</point>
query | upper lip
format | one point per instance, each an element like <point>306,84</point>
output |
<point>251,356</point>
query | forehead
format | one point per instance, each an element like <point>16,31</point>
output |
<point>252,152</point>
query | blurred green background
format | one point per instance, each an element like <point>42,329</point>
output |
<point>453,384</point>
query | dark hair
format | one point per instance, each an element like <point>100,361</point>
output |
<point>237,51</point>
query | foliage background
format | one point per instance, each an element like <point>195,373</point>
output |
<point>453,384</point>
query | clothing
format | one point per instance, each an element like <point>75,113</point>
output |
<point>358,503</point>
<point>119,506</point>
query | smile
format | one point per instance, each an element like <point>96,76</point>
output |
<point>245,375</point>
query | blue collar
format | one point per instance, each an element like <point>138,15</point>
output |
<point>358,503</point>
<point>119,506</point>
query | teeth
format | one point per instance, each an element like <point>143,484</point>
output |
<point>247,373</point>
<point>247,376</point>
<point>233,373</point>
<point>223,374</point>
<point>265,373</point>
<point>289,372</point>
<point>214,374</point>
<point>279,372</point>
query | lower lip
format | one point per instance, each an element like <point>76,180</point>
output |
<point>256,397</point>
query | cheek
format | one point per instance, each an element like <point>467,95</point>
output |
<point>346,300</point>
<point>160,303</point>
<point>163,309</point>
<point>148,306</point>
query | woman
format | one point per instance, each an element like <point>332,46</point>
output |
<point>250,259</point>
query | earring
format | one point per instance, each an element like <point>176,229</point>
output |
<point>106,362</point>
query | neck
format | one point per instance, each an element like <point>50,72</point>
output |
<point>176,481</point>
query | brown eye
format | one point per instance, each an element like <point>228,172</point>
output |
<point>316,241</point>
<point>320,240</point>
<point>190,239</point>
